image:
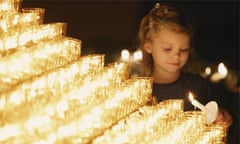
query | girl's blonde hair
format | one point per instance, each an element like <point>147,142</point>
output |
<point>161,16</point>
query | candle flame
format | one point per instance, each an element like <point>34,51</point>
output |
<point>190,96</point>
<point>208,70</point>
<point>222,69</point>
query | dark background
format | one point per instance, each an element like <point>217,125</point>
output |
<point>109,26</point>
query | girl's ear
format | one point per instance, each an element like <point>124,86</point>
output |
<point>148,47</point>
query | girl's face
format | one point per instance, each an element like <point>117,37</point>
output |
<point>170,50</point>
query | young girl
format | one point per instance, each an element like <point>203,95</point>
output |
<point>165,36</point>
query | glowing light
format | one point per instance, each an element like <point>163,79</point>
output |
<point>67,130</point>
<point>2,103</point>
<point>9,131</point>
<point>195,102</point>
<point>37,122</point>
<point>208,70</point>
<point>138,55</point>
<point>16,99</point>
<point>220,74</point>
<point>125,54</point>
<point>222,69</point>
<point>11,42</point>
<point>50,111</point>
<point>61,108</point>
<point>5,6</point>
<point>52,138</point>
<point>190,96</point>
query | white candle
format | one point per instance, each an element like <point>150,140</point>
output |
<point>196,103</point>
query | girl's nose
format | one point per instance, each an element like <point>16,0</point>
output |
<point>177,53</point>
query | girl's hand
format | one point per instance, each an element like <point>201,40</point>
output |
<point>224,117</point>
<point>153,101</point>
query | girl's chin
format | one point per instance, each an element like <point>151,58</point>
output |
<point>174,70</point>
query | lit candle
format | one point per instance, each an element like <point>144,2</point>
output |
<point>196,103</point>
<point>207,72</point>
<point>211,108</point>
<point>220,74</point>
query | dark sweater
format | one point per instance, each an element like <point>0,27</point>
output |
<point>181,87</point>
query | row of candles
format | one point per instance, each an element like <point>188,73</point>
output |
<point>53,80</point>
<point>9,5</point>
<point>76,112</point>
<point>15,40</point>
<point>164,123</point>
<point>40,47</point>
<point>87,107</point>
<point>16,26</point>
<point>37,59</point>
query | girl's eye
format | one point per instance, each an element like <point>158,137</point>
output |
<point>184,50</point>
<point>167,49</point>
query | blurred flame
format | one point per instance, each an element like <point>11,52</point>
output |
<point>222,69</point>
<point>125,54</point>
<point>138,55</point>
<point>190,96</point>
<point>208,70</point>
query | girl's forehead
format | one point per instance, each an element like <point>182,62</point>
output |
<point>170,31</point>
<point>171,36</point>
